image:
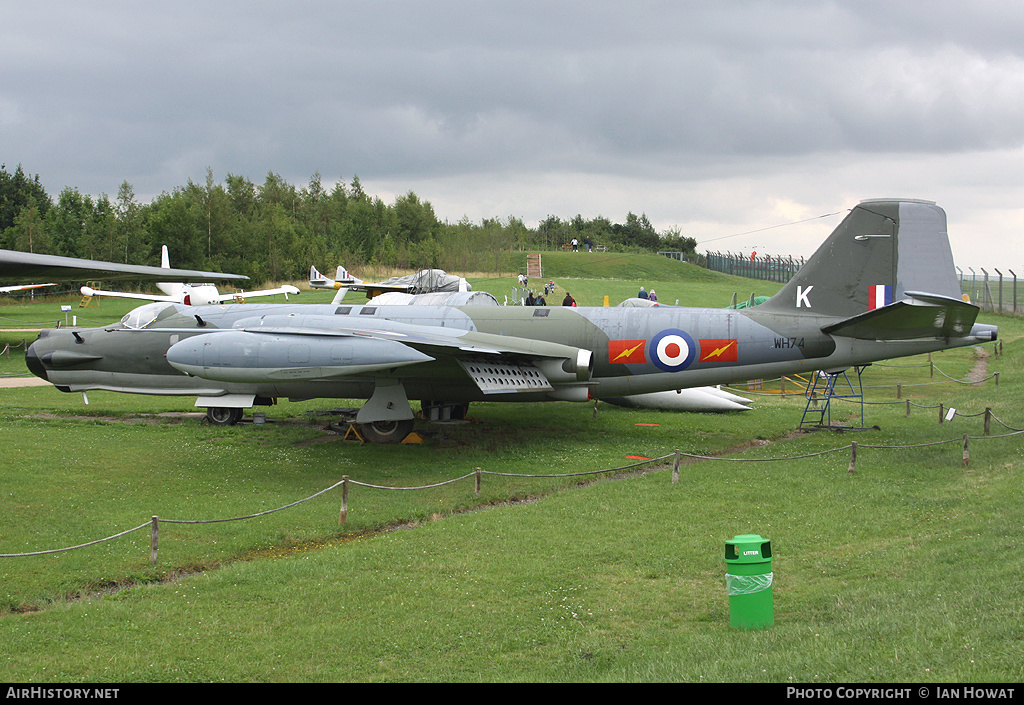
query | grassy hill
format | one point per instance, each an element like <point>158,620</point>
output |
<point>592,276</point>
<point>614,265</point>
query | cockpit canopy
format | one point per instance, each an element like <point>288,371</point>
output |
<point>144,315</point>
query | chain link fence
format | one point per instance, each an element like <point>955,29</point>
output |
<point>766,267</point>
<point>994,292</point>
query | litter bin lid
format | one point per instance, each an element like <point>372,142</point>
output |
<point>748,548</point>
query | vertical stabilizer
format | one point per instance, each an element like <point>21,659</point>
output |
<point>175,289</point>
<point>881,250</point>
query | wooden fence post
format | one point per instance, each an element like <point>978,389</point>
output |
<point>853,455</point>
<point>908,408</point>
<point>478,481</point>
<point>967,455</point>
<point>988,419</point>
<point>942,413</point>
<point>675,468</point>
<point>154,539</point>
<point>344,500</point>
<point>899,391</point>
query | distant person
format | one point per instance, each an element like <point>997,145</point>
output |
<point>575,245</point>
<point>568,300</point>
<point>588,242</point>
<point>530,301</point>
<point>653,296</point>
<point>540,301</point>
<point>643,293</point>
<point>522,280</point>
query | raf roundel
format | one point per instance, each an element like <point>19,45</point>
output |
<point>673,350</point>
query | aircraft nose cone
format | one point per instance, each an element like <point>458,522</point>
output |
<point>35,365</point>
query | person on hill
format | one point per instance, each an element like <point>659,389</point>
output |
<point>642,294</point>
<point>568,300</point>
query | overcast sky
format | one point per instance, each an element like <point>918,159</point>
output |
<point>718,118</point>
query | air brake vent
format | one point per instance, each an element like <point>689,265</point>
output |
<point>500,377</point>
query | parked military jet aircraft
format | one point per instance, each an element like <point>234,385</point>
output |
<point>422,282</point>
<point>199,294</point>
<point>882,285</point>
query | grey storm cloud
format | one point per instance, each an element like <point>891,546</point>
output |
<point>94,93</point>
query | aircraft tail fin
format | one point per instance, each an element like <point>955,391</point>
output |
<point>175,290</point>
<point>882,253</point>
<point>318,280</point>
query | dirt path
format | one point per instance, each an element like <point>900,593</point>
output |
<point>22,382</point>
<point>980,369</point>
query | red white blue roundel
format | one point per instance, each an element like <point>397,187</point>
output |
<point>673,350</point>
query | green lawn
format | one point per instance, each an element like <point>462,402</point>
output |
<point>906,570</point>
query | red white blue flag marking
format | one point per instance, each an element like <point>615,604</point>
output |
<point>880,295</point>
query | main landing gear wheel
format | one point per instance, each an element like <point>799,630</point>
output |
<point>386,431</point>
<point>223,415</point>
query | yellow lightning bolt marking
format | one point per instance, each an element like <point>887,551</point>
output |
<point>717,352</point>
<point>630,351</point>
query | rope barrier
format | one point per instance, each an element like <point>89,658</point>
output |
<point>422,487</point>
<point>72,548</point>
<point>250,516</point>
<point>478,472</point>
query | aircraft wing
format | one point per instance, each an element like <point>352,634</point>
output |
<point>286,290</point>
<point>21,287</point>
<point>918,316</point>
<point>89,291</point>
<point>26,267</point>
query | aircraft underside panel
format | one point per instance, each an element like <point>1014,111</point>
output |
<point>501,377</point>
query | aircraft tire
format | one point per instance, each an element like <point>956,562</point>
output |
<point>223,415</point>
<point>386,431</point>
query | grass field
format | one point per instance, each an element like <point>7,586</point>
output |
<point>905,570</point>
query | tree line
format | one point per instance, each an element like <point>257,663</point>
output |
<point>274,231</point>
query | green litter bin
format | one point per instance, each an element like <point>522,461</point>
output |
<point>748,580</point>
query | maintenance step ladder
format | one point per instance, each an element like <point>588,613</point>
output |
<point>822,392</point>
<point>90,301</point>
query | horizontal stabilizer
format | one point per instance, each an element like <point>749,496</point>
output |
<point>918,316</point>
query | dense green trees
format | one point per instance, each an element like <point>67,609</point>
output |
<point>275,231</point>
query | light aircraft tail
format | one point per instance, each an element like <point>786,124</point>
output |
<point>887,271</point>
<point>341,282</point>
<point>174,290</point>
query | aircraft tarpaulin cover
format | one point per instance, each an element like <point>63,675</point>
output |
<point>425,280</point>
